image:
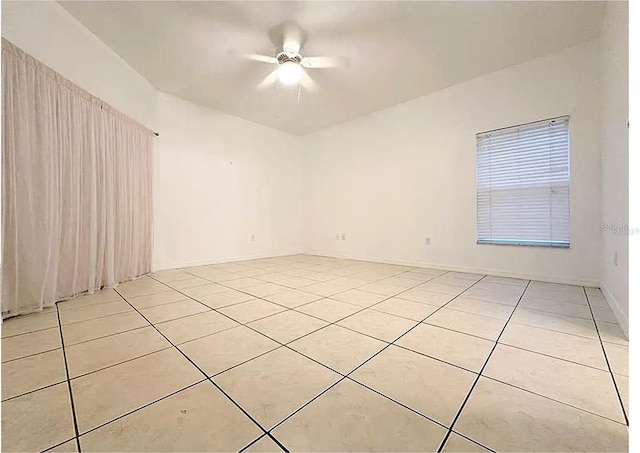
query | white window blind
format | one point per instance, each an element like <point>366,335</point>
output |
<point>523,184</point>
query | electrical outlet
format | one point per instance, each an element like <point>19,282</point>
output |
<point>337,236</point>
<point>615,258</point>
<point>427,241</point>
<point>253,238</point>
<point>344,236</point>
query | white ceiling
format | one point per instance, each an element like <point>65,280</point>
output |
<point>397,50</point>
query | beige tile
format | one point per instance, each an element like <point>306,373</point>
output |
<point>424,273</point>
<point>30,343</point>
<point>559,293</point>
<point>152,300</point>
<point>242,282</point>
<point>444,288</point>
<point>359,297</point>
<point>460,349</point>
<point>559,323</point>
<point>38,420</point>
<point>457,443</point>
<point>103,352</point>
<point>480,307</point>
<point>478,325</point>
<point>297,282</point>
<point>496,293</point>
<point>612,333</point>
<point>101,327</point>
<point>604,314</point>
<point>426,297</point>
<point>377,324</point>
<point>506,281</point>
<point>221,276</point>
<point>98,297</point>
<point>385,289</point>
<point>509,419</point>
<point>350,417</point>
<point>225,298</point>
<point>170,275</point>
<point>557,307</point>
<point>401,375</point>
<point>623,387</point>
<point>351,282</point>
<point>199,418</point>
<point>292,298</point>
<point>198,292</point>
<point>618,356</point>
<point>452,283</point>
<point>329,309</point>
<point>574,348</point>
<point>404,281</point>
<point>220,351</point>
<point>415,311</point>
<point>112,392</point>
<point>69,446</point>
<point>253,272</point>
<point>272,386</point>
<point>325,289</point>
<point>32,373</point>
<point>251,310</point>
<point>29,323</point>
<point>274,277</point>
<point>196,326</point>
<point>142,287</point>
<point>263,445</point>
<point>93,311</point>
<point>580,386</point>
<point>264,289</point>
<point>173,310</point>
<point>188,283</point>
<point>339,348</point>
<point>287,326</point>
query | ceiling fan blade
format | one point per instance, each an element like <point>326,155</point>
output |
<point>308,83</point>
<point>324,62</point>
<point>260,58</point>
<point>268,80</point>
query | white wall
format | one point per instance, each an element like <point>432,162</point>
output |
<point>219,180</point>
<point>615,158</point>
<point>49,33</point>
<point>390,179</point>
<point>205,208</point>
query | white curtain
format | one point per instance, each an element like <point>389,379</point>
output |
<point>76,189</point>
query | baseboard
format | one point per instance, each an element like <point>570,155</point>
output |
<point>621,317</point>
<point>233,259</point>
<point>459,268</point>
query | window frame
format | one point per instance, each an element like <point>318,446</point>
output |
<point>549,243</point>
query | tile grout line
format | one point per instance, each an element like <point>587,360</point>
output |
<point>66,369</point>
<point>209,309</point>
<point>142,407</point>
<point>285,345</point>
<point>555,400</point>
<point>347,376</point>
<point>479,375</point>
<point>606,358</point>
<point>205,374</point>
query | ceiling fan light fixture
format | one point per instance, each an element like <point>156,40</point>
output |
<point>289,73</point>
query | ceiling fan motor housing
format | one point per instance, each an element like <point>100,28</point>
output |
<point>284,57</point>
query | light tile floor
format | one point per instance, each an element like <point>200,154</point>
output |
<point>308,353</point>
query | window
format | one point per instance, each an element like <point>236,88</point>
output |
<point>523,184</point>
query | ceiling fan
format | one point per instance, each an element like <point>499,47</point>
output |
<point>292,65</point>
